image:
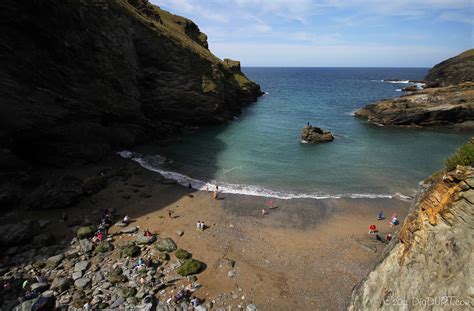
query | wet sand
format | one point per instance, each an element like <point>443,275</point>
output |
<point>303,255</point>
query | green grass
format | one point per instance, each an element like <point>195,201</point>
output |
<point>463,156</point>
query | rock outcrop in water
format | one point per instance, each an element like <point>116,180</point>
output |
<point>452,105</point>
<point>81,78</point>
<point>431,263</point>
<point>452,71</point>
<point>314,134</point>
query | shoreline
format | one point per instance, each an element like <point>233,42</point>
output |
<point>252,190</point>
<point>306,254</point>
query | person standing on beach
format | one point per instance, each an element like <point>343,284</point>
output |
<point>380,215</point>
<point>214,195</point>
<point>263,212</point>
<point>169,214</point>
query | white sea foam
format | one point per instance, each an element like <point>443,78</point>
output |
<point>398,90</point>
<point>397,81</point>
<point>149,162</point>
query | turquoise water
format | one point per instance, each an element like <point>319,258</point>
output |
<point>260,152</point>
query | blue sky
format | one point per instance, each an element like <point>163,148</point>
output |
<point>376,33</point>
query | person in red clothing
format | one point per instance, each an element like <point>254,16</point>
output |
<point>147,232</point>
<point>372,229</point>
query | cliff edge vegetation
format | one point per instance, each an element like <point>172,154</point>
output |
<point>455,70</point>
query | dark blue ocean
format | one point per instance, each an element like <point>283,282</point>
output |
<point>260,152</point>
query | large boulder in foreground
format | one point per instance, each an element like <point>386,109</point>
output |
<point>314,134</point>
<point>444,106</point>
<point>189,267</point>
<point>57,193</point>
<point>452,71</point>
<point>432,256</point>
<point>166,245</point>
<point>18,234</point>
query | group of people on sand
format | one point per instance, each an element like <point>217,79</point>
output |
<point>388,237</point>
<point>270,206</point>
<point>105,222</point>
<point>200,225</point>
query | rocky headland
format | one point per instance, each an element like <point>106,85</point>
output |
<point>443,106</point>
<point>455,70</point>
<point>81,79</point>
<point>450,103</point>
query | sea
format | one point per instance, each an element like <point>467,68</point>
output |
<point>261,153</point>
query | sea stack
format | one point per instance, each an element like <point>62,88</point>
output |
<point>313,134</point>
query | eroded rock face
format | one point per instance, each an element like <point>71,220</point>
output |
<point>314,134</point>
<point>444,106</point>
<point>81,78</point>
<point>433,255</point>
<point>452,71</point>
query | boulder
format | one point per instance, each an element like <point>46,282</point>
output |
<point>54,261</point>
<point>63,192</point>
<point>61,284</point>
<point>85,232</point>
<point>410,88</point>
<point>82,265</point>
<point>166,245</point>
<point>189,266</point>
<point>182,254</point>
<point>77,275</point>
<point>141,239</point>
<point>131,251</point>
<point>43,240</point>
<point>18,234</point>
<point>86,245</point>
<point>117,303</point>
<point>39,287</point>
<point>92,185</point>
<point>314,134</point>
<point>104,247</point>
<point>129,230</point>
<point>82,283</point>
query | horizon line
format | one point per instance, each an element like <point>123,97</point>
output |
<point>335,67</point>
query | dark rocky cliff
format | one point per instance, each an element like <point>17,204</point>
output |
<point>80,78</point>
<point>455,70</point>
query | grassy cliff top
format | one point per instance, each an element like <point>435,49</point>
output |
<point>452,71</point>
<point>164,23</point>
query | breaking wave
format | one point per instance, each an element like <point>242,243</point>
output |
<point>153,163</point>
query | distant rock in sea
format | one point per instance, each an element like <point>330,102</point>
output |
<point>314,134</point>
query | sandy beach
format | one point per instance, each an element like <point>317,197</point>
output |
<point>302,255</point>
